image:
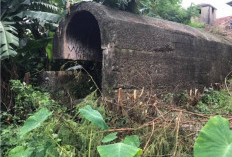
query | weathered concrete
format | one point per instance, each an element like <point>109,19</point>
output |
<point>55,80</point>
<point>65,86</point>
<point>138,51</point>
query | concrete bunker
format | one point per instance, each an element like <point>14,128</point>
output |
<point>139,52</point>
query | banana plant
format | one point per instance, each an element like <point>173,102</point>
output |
<point>9,39</point>
<point>19,14</point>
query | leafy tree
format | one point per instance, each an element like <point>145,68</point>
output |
<point>21,15</point>
<point>25,26</point>
<point>126,5</point>
<point>166,9</point>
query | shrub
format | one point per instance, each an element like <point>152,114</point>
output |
<point>213,101</point>
<point>196,24</point>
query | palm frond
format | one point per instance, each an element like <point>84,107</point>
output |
<point>41,16</point>
<point>35,44</point>
<point>9,40</point>
<point>48,6</point>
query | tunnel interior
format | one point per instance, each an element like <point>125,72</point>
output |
<point>83,37</point>
<point>84,43</point>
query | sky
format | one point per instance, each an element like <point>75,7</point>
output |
<point>223,9</point>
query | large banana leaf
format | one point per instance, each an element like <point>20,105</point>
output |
<point>215,139</point>
<point>94,116</point>
<point>40,16</point>
<point>132,140</point>
<point>110,137</point>
<point>9,39</point>
<point>20,151</point>
<point>20,10</point>
<point>35,121</point>
<point>118,150</point>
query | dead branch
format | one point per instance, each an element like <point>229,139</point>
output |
<point>152,132</point>
<point>177,133</point>
<point>226,83</point>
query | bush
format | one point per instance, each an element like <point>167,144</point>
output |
<point>28,99</point>
<point>197,25</point>
<point>213,101</point>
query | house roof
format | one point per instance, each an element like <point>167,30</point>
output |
<point>229,3</point>
<point>224,20</point>
<point>206,5</point>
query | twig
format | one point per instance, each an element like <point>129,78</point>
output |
<point>120,130</point>
<point>158,110</point>
<point>58,121</point>
<point>229,119</point>
<point>119,98</point>
<point>61,148</point>
<point>141,92</point>
<point>226,83</point>
<point>134,129</point>
<point>90,143</point>
<point>177,134</point>
<point>152,132</point>
<point>70,98</point>
<point>191,134</point>
<point>135,95</point>
<point>198,114</point>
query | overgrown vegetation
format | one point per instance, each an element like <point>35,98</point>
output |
<point>60,135</point>
<point>22,20</point>
<point>38,126</point>
<point>196,24</point>
<point>63,134</point>
<point>217,102</point>
<point>26,28</point>
<point>166,9</point>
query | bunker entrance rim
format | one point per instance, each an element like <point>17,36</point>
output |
<point>84,43</point>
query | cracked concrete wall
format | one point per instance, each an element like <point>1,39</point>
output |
<point>143,52</point>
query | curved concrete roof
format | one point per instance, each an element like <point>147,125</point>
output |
<point>125,26</point>
<point>125,30</point>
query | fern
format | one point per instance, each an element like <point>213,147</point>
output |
<point>9,39</point>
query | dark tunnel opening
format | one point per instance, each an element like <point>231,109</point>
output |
<point>83,36</point>
<point>84,43</point>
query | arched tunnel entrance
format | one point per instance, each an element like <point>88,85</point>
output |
<point>83,37</point>
<point>84,44</point>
